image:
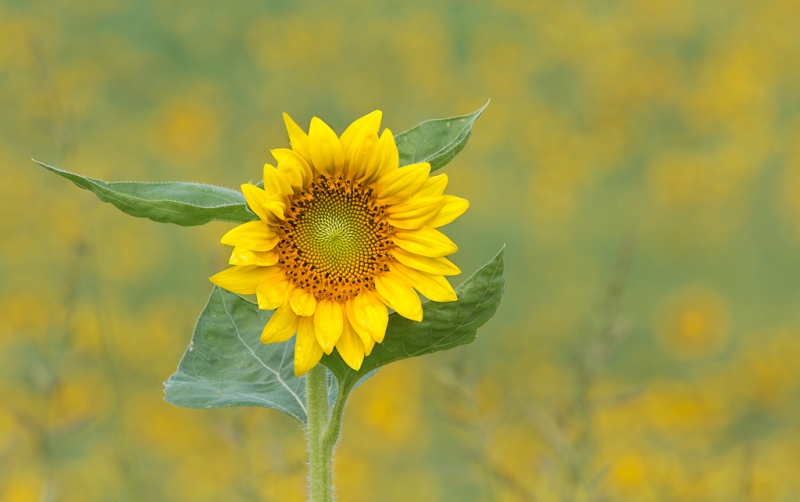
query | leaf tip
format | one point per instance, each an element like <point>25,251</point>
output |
<point>477,113</point>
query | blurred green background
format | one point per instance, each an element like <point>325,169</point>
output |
<point>640,159</point>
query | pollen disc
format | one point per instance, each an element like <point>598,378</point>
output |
<point>334,239</point>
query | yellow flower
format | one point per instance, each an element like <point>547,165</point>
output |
<point>343,232</point>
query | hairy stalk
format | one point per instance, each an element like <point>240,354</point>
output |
<point>331,435</point>
<point>319,459</point>
<point>323,430</point>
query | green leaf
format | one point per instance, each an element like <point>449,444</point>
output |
<point>436,141</point>
<point>444,325</point>
<point>227,365</point>
<point>185,204</point>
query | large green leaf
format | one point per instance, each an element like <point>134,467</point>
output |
<point>227,365</point>
<point>185,204</point>
<point>436,141</point>
<point>444,325</point>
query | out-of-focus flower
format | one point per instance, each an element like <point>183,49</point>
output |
<point>694,323</point>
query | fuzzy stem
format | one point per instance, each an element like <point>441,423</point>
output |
<point>319,458</point>
<point>331,435</point>
<point>323,432</point>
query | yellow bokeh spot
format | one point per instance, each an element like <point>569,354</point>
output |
<point>389,405</point>
<point>696,181</point>
<point>694,323</point>
<point>187,131</point>
<point>23,316</point>
<point>689,410</point>
<point>15,36</point>
<point>73,401</point>
<point>768,372</point>
<point>313,41</point>
<point>629,473</point>
<point>23,487</point>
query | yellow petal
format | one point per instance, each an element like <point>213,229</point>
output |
<point>273,291</point>
<point>367,341</point>
<point>414,212</point>
<point>276,183</point>
<point>361,332</point>
<point>440,265</point>
<point>368,315</point>
<point>399,295</point>
<point>325,148</point>
<point>433,287</point>
<point>452,209</point>
<point>293,175</point>
<point>281,325</point>
<point>242,279</point>
<point>369,344</point>
<point>302,302</point>
<point>290,161</point>
<point>383,160</point>
<point>350,347</point>
<point>358,140</point>
<point>433,186</point>
<point>401,183</point>
<point>307,351</point>
<point>425,241</point>
<point>356,163</point>
<point>267,207</point>
<point>297,138</point>
<point>328,321</point>
<point>370,122</point>
<point>253,235</point>
<point>243,256</point>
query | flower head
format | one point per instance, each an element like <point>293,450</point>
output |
<point>343,232</point>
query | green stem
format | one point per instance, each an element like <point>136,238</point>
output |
<point>319,461</point>
<point>331,435</point>
<point>323,432</point>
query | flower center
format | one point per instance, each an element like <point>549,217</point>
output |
<point>334,239</point>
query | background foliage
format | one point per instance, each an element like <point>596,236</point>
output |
<point>639,159</point>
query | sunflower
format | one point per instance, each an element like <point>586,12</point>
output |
<point>342,233</point>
